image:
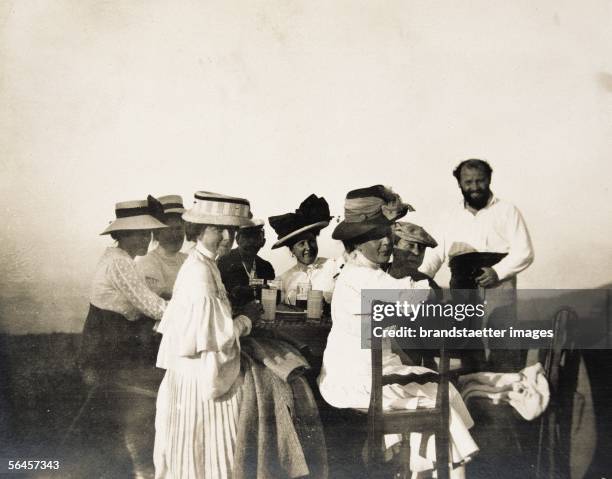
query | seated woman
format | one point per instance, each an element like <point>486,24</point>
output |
<point>366,232</point>
<point>161,265</point>
<point>298,231</point>
<point>120,295</point>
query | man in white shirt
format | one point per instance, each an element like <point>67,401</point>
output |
<point>493,233</point>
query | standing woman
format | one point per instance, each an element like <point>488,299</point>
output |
<point>199,397</point>
<point>120,294</point>
<point>298,231</point>
<point>161,265</point>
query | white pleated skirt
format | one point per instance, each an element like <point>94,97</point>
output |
<point>195,438</point>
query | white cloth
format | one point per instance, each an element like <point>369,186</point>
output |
<point>160,269</point>
<point>498,227</point>
<point>343,353</point>
<point>200,350</point>
<point>315,274</point>
<point>526,391</point>
<point>118,286</point>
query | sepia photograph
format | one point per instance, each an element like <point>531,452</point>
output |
<point>306,239</point>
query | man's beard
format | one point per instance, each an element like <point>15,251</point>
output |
<point>478,202</point>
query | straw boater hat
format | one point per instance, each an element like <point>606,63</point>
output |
<point>312,215</point>
<point>134,215</point>
<point>216,209</point>
<point>172,204</point>
<point>415,233</point>
<point>366,209</point>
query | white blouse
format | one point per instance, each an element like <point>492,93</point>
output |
<point>343,351</point>
<point>316,274</point>
<point>119,287</point>
<point>160,269</point>
<point>200,338</point>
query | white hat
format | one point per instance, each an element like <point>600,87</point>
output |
<point>133,215</point>
<point>172,204</point>
<point>217,209</point>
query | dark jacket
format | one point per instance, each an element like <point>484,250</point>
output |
<point>233,273</point>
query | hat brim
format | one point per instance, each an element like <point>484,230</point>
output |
<point>257,223</point>
<point>131,223</point>
<point>219,220</point>
<point>315,226</point>
<point>347,230</point>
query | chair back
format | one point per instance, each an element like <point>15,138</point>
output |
<point>561,362</point>
<point>435,420</point>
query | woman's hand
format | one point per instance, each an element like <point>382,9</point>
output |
<point>253,310</point>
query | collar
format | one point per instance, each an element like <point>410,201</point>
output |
<point>200,248</point>
<point>357,258</point>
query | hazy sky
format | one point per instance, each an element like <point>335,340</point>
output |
<point>103,101</point>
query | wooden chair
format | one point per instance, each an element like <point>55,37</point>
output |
<point>561,363</point>
<point>433,420</point>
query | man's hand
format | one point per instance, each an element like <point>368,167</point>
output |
<point>488,278</point>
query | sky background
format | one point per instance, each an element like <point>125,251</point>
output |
<point>105,101</point>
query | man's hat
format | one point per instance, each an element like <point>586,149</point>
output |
<point>135,215</point>
<point>312,215</point>
<point>411,232</point>
<point>217,209</point>
<point>366,209</point>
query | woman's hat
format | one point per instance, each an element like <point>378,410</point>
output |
<point>415,233</point>
<point>366,209</point>
<point>135,215</point>
<point>217,209</point>
<point>312,215</point>
<point>172,204</point>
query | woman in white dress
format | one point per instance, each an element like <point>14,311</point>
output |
<point>366,233</point>
<point>200,395</point>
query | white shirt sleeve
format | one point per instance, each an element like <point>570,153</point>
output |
<point>128,280</point>
<point>520,254</point>
<point>434,259</point>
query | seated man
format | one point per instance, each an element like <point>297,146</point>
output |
<point>409,244</point>
<point>242,264</point>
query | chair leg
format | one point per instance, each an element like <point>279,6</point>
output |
<point>404,472</point>
<point>442,454</point>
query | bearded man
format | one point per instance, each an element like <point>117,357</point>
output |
<point>487,245</point>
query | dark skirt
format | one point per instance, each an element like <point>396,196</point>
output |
<point>111,342</point>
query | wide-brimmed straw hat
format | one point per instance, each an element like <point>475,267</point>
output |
<point>312,215</point>
<point>217,209</point>
<point>366,209</point>
<point>415,233</point>
<point>134,215</point>
<point>172,204</point>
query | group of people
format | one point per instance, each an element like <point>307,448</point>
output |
<point>201,308</point>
